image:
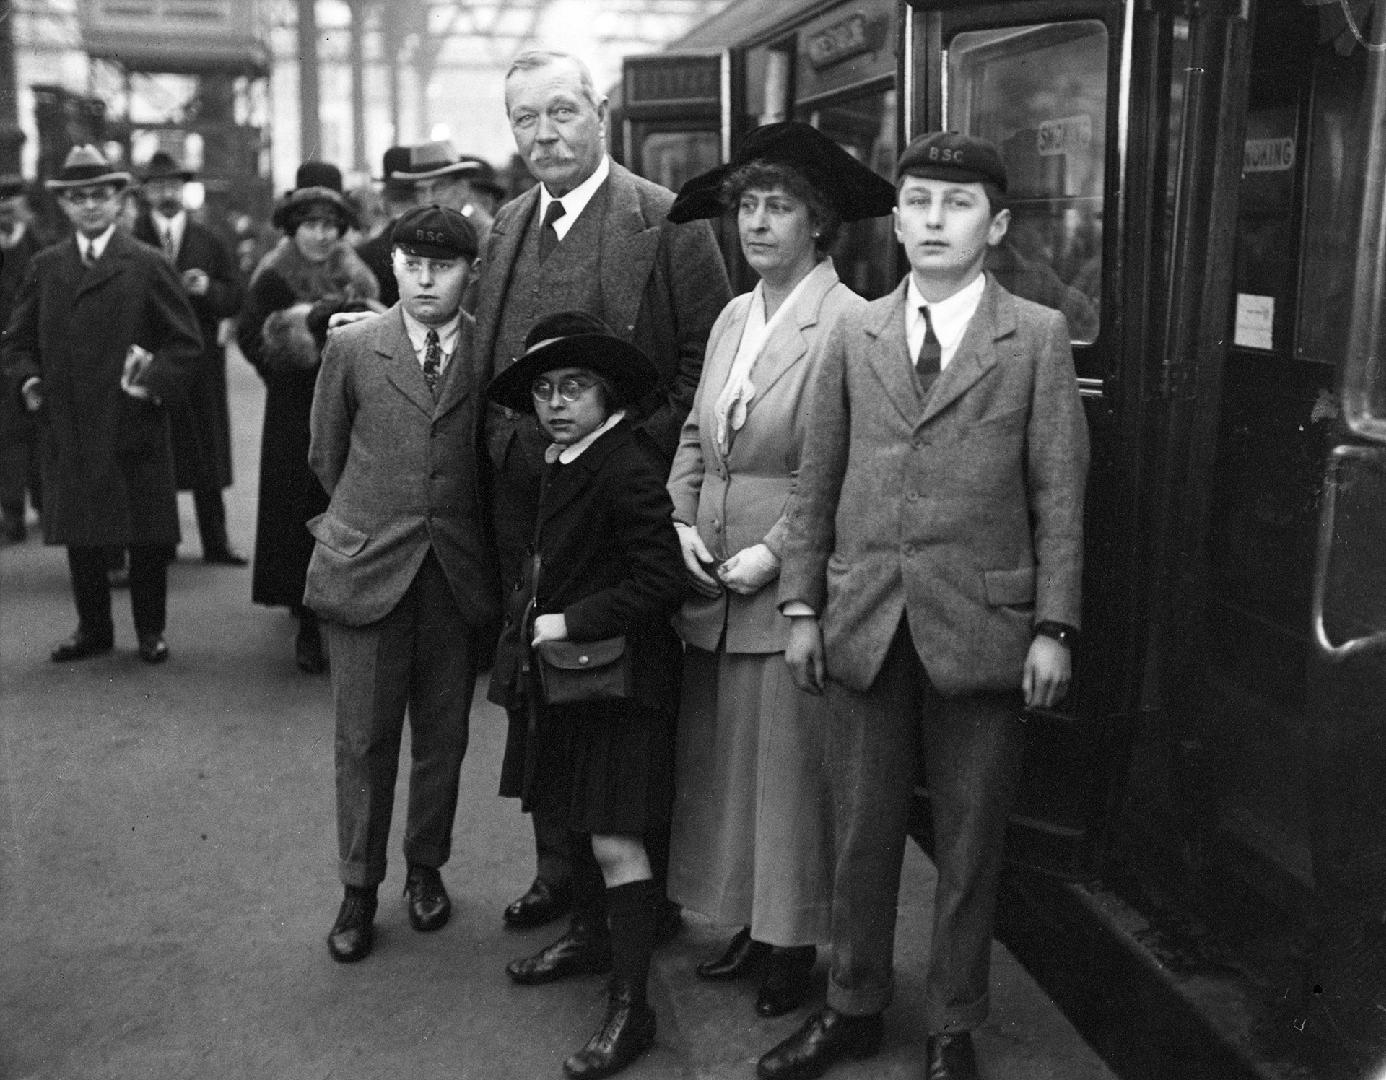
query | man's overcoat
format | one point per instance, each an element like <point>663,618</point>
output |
<point>107,464</point>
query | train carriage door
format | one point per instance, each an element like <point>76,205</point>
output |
<point>1342,320</point>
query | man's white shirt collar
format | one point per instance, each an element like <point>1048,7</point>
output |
<point>575,202</point>
<point>98,245</point>
<point>174,226</point>
<point>950,316</point>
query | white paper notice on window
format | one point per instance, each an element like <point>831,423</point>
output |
<point>1255,320</point>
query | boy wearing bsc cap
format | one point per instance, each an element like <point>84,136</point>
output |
<point>932,569</point>
<point>402,572</point>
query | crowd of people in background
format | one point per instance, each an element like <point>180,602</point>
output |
<point>737,560</point>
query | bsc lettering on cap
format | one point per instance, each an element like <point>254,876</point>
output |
<point>954,157</point>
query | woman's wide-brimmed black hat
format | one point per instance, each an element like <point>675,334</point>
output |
<point>314,182</point>
<point>854,190</point>
<point>574,339</point>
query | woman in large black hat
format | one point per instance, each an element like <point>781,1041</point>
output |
<point>606,566</point>
<point>309,276</point>
<point>751,844</point>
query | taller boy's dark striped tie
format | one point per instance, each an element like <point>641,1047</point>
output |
<point>929,361</point>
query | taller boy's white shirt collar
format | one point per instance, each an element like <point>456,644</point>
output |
<point>575,202</point>
<point>949,316</point>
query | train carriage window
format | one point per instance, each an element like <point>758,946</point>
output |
<point>1040,93</point>
<point>1335,175</point>
<point>673,157</point>
<point>865,125</point>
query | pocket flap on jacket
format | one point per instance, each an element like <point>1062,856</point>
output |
<point>582,655</point>
<point>1010,587</point>
<point>336,534</point>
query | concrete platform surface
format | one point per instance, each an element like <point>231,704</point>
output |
<point>167,876</point>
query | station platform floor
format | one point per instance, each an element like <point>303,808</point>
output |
<point>167,877</point>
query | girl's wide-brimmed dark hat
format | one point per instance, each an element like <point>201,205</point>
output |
<point>85,165</point>
<point>315,182</point>
<point>854,190</point>
<point>574,339</point>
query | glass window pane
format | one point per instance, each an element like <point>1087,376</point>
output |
<point>1334,181</point>
<point>1040,93</point>
<point>672,157</point>
<point>865,126</point>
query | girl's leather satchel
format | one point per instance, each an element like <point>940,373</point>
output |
<point>574,672</point>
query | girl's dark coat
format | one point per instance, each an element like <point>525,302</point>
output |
<point>610,564</point>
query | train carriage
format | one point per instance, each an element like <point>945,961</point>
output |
<point>1199,186</point>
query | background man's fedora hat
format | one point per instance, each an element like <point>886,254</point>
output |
<point>86,165</point>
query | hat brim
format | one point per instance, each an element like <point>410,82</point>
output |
<point>629,370</point>
<point>185,176</point>
<point>291,203</point>
<point>855,191</point>
<point>432,174</point>
<point>116,177</point>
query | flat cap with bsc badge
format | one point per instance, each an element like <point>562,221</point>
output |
<point>435,232</point>
<point>86,165</point>
<point>855,191</point>
<point>574,339</point>
<point>950,155</point>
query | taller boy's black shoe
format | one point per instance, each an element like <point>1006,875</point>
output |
<point>353,934</point>
<point>825,1037</point>
<point>429,906</point>
<point>950,1057</point>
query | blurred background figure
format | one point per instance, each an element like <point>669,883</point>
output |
<point>397,197</point>
<point>369,208</point>
<point>199,414</point>
<point>19,447</point>
<point>310,275</point>
<point>101,335</point>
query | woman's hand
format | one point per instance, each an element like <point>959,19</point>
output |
<point>550,628</point>
<point>750,569</point>
<point>695,556</point>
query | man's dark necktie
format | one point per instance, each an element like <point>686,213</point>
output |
<point>433,359</point>
<point>89,254</point>
<point>928,362</point>
<point>170,248</point>
<point>548,235</point>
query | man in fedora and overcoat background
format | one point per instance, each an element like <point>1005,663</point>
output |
<point>102,333</point>
<point>200,415</point>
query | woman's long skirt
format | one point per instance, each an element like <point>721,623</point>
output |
<point>752,828</point>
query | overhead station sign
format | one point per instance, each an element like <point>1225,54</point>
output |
<point>182,36</point>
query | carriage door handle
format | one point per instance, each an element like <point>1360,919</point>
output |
<point>1328,522</point>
